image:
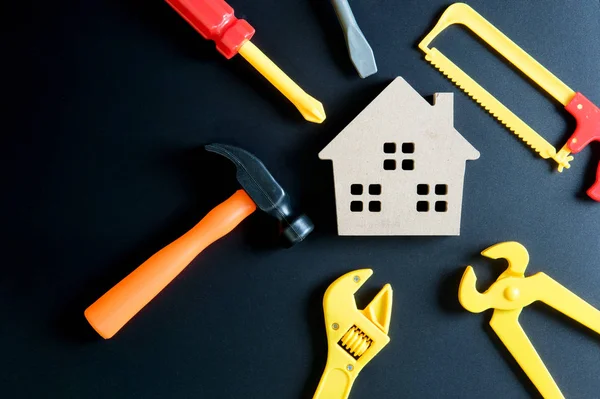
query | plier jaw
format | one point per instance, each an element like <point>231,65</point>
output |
<point>506,292</point>
<point>511,292</point>
<point>354,336</point>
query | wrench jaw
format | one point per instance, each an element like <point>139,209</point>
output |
<point>360,334</point>
<point>379,310</point>
<point>354,336</point>
<point>341,291</point>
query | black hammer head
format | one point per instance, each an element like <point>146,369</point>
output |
<point>264,190</point>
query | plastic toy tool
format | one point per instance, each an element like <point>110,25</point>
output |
<point>354,336</point>
<point>509,295</point>
<point>214,20</point>
<point>584,111</point>
<point>260,190</point>
<point>359,49</point>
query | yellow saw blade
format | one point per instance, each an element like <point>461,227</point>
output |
<point>491,104</point>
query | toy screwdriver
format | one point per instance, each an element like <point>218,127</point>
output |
<point>214,20</point>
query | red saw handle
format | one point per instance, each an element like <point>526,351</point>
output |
<point>115,308</point>
<point>215,21</point>
<point>594,191</point>
<point>588,129</point>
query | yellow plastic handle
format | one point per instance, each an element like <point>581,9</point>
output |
<point>115,308</point>
<point>335,383</point>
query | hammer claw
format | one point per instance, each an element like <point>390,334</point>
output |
<point>265,191</point>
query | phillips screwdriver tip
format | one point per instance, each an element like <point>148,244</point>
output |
<point>311,109</point>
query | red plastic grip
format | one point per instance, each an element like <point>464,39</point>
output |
<point>588,122</point>
<point>214,20</point>
<point>594,191</point>
<point>588,129</point>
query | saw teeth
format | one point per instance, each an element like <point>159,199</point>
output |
<point>545,149</point>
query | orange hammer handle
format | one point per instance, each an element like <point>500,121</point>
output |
<point>115,308</point>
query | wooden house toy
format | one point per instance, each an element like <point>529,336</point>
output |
<point>399,166</point>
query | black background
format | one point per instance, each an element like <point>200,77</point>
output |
<point>107,106</point>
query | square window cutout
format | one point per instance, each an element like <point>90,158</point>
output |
<point>389,148</point>
<point>389,164</point>
<point>408,164</point>
<point>375,189</point>
<point>441,206</point>
<point>423,206</point>
<point>422,189</point>
<point>375,206</point>
<point>441,189</point>
<point>356,206</point>
<point>356,189</point>
<point>408,148</point>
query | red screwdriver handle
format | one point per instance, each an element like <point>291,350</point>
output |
<point>588,129</point>
<point>214,20</point>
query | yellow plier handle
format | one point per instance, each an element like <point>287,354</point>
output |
<point>505,324</point>
<point>560,298</point>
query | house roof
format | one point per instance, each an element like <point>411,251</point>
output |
<point>400,105</point>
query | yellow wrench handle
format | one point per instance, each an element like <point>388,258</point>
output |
<point>335,383</point>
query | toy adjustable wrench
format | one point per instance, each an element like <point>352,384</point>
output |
<point>509,295</point>
<point>354,336</point>
<point>584,111</point>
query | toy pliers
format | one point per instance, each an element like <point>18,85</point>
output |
<point>509,295</point>
<point>354,336</point>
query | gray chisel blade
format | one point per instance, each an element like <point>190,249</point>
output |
<point>359,49</point>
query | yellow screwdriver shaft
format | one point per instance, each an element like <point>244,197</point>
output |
<point>311,109</point>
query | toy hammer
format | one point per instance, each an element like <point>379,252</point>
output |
<point>260,190</point>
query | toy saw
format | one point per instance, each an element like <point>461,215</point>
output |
<point>585,112</point>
